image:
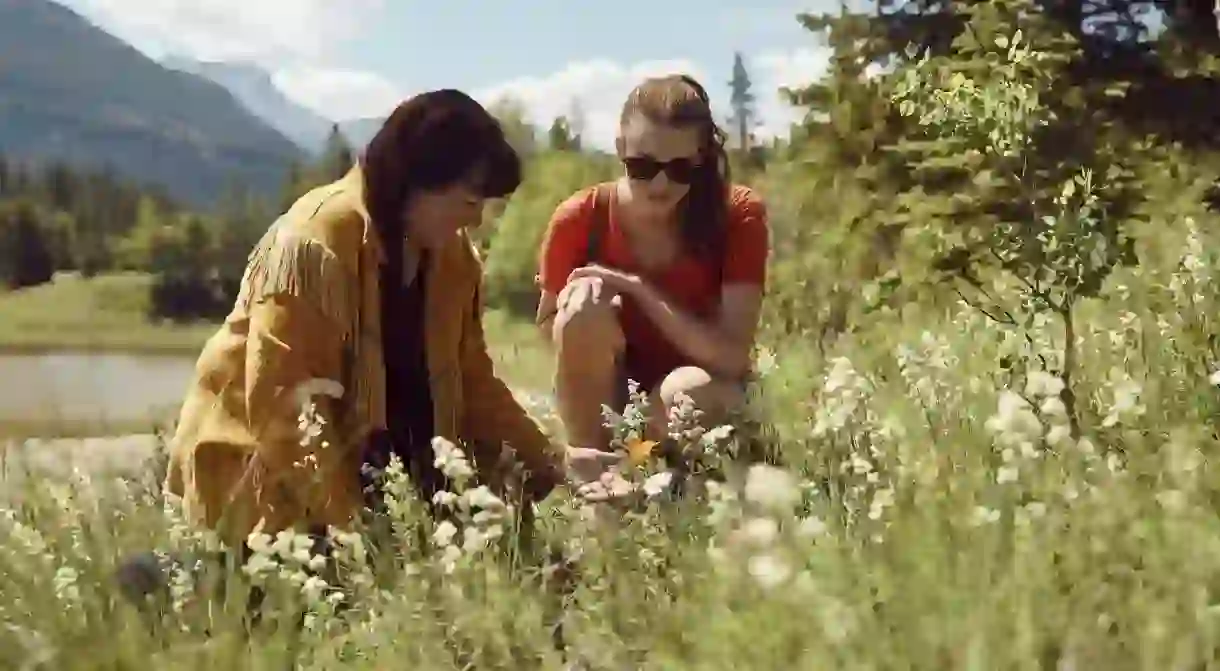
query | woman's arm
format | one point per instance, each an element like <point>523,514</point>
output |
<point>296,324</point>
<point>723,346</point>
<point>494,417</point>
<point>562,250</point>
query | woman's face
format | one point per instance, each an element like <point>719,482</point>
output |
<point>660,161</point>
<point>434,216</point>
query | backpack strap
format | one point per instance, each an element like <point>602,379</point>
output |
<point>599,223</point>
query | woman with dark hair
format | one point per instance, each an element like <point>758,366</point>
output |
<point>657,277</point>
<point>363,299</point>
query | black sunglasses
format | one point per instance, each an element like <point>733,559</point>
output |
<point>645,168</point>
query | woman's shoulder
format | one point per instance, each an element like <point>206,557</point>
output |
<point>576,211</point>
<point>580,203</point>
<point>328,215</point>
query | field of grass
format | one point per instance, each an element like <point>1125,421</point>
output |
<point>1021,479</point>
<point>104,313</point>
<point>949,500</point>
<point>936,512</point>
<point>109,313</point>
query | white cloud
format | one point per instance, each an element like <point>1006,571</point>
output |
<point>291,39</point>
<point>794,69</point>
<point>339,94</point>
<point>270,32</point>
<point>599,88</point>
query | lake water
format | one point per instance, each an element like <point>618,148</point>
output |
<point>91,387</point>
<point>104,388</point>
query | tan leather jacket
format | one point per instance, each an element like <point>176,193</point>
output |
<point>308,310</point>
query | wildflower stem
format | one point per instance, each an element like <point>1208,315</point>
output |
<point>1067,395</point>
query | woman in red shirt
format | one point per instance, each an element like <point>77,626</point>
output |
<point>656,277</point>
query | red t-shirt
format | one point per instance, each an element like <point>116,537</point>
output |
<point>689,282</point>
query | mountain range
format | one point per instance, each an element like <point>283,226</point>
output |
<point>71,92</point>
<point>256,90</point>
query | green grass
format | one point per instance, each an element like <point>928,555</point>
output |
<point>924,522</point>
<point>927,518</point>
<point>104,313</point>
<point>109,313</point>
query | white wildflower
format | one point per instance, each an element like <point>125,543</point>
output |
<point>66,587</point>
<point>444,533</point>
<point>451,460</point>
<point>717,435</point>
<point>882,499</point>
<point>1015,421</point>
<point>769,570</point>
<point>844,392</point>
<point>811,527</point>
<point>481,497</point>
<point>1041,384</point>
<point>760,531</point>
<point>314,589</point>
<point>984,515</point>
<point>771,488</point>
<point>450,557</point>
<point>1007,474</point>
<point>1126,399</point>
<point>658,483</point>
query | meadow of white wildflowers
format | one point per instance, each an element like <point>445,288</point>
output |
<point>936,514</point>
<point>958,492</point>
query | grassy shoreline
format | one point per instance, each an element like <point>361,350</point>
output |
<point>105,315</point>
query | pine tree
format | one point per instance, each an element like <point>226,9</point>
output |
<point>741,100</point>
<point>559,135</point>
<point>294,185</point>
<point>6,180</point>
<point>514,119</point>
<point>577,121</point>
<point>26,257</point>
<point>337,156</point>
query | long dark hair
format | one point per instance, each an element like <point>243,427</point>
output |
<point>433,140</point>
<point>681,101</point>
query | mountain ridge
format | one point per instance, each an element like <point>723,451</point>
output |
<point>255,88</point>
<point>71,92</point>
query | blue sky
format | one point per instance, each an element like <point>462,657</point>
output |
<point>478,43</point>
<point>354,58</point>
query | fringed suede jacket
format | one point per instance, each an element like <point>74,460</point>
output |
<point>306,326</point>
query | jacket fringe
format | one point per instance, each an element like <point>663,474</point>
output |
<point>283,263</point>
<point>286,263</point>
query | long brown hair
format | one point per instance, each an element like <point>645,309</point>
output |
<point>432,140</point>
<point>682,102</point>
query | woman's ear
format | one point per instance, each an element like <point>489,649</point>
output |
<point>619,145</point>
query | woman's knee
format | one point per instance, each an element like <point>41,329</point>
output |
<point>710,395</point>
<point>588,325</point>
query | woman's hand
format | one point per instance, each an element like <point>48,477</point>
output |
<point>586,465</point>
<point>610,487</point>
<point>616,281</point>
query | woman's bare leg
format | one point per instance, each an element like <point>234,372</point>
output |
<point>714,398</point>
<point>589,344</point>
